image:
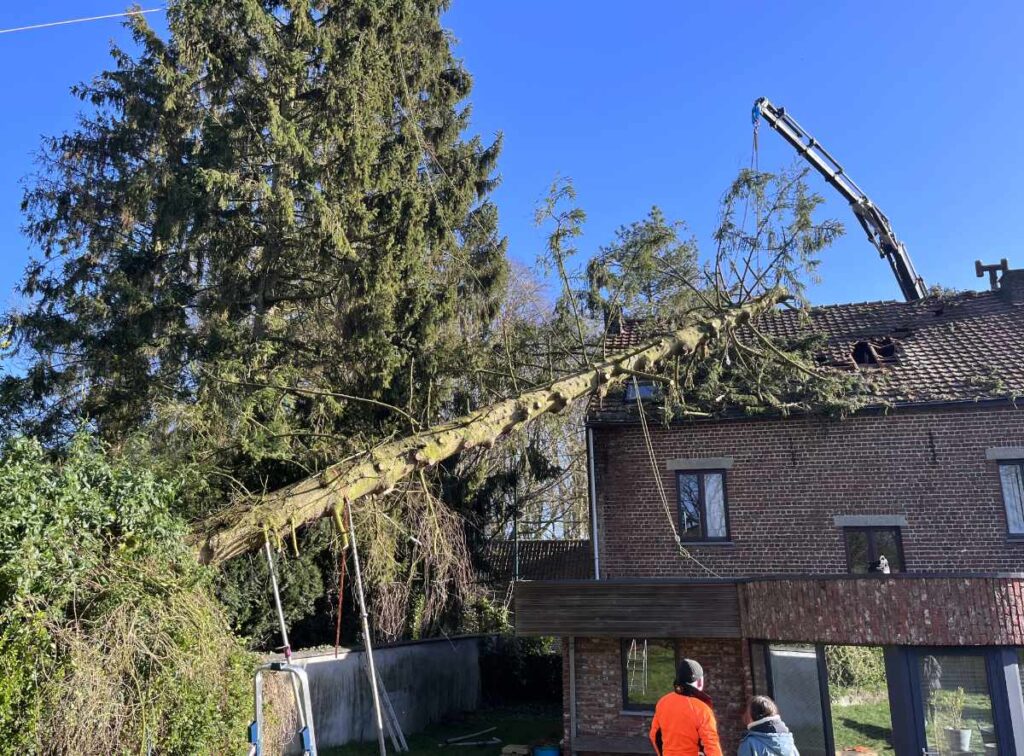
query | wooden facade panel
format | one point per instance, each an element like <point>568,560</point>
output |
<point>627,608</point>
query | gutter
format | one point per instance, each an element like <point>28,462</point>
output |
<point>572,694</point>
<point>895,408</point>
<point>592,491</point>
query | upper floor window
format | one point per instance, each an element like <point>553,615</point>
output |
<point>702,506</point>
<point>874,550</point>
<point>648,671</point>
<point>1011,475</point>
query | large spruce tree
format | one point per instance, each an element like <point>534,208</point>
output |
<point>270,211</point>
<point>267,245</point>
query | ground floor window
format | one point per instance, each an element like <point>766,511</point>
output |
<point>858,697</point>
<point>957,703</point>
<point>791,674</point>
<point>648,671</point>
<point>897,699</point>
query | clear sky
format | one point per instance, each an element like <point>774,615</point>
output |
<point>649,103</point>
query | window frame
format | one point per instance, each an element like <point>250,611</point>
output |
<point>624,644</point>
<point>1000,464</point>
<point>870,530</point>
<point>702,506</point>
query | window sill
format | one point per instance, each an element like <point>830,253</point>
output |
<point>1015,538</point>
<point>636,713</point>
<point>687,544</point>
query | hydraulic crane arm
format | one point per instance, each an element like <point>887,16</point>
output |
<point>873,220</point>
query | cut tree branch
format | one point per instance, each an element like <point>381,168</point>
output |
<point>240,527</point>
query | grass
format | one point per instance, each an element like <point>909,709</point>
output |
<point>865,724</point>
<point>525,725</point>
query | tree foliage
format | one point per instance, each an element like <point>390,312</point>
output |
<point>267,245</point>
<point>111,640</point>
<point>270,212</point>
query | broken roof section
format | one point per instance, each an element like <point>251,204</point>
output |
<point>954,348</point>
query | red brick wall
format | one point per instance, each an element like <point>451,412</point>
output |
<point>887,611</point>
<point>791,476</point>
<point>599,686</point>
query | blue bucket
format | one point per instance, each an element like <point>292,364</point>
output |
<point>547,751</point>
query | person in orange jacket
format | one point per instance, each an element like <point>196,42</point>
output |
<point>684,722</point>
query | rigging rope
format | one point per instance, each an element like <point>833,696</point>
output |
<point>683,551</point>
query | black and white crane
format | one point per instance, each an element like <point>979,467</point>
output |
<point>873,220</point>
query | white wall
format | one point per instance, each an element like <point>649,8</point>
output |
<point>425,680</point>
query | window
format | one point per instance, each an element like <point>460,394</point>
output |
<point>702,509</point>
<point>648,671</point>
<point>1011,475</point>
<point>646,390</point>
<point>865,548</point>
<point>959,716</point>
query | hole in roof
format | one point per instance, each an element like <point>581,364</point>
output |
<point>871,352</point>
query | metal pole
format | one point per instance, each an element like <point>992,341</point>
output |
<point>277,601</point>
<point>515,534</point>
<point>284,629</point>
<point>367,645</point>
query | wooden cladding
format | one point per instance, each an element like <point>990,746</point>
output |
<point>628,608</point>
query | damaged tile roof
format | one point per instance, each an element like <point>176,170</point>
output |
<point>953,348</point>
<point>538,560</point>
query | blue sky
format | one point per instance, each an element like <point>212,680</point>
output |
<point>649,103</point>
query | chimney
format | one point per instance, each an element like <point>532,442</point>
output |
<point>1011,285</point>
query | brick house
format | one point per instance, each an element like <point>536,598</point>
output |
<point>784,520</point>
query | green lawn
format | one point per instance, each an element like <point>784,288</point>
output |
<point>863,724</point>
<point>526,725</point>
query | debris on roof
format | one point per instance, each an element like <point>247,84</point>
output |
<point>949,348</point>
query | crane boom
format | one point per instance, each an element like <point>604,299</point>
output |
<point>876,225</point>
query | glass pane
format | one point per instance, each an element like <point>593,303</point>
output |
<point>650,669</point>
<point>887,544</point>
<point>958,710</point>
<point>857,548</point>
<point>1013,496</point>
<point>859,697</point>
<point>647,390</point>
<point>714,505</point>
<point>689,507</point>
<point>795,688</point>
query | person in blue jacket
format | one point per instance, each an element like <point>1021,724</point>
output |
<point>766,735</point>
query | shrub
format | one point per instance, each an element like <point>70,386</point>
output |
<point>857,667</point>
<point>110,638</point>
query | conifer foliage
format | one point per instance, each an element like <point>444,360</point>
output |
<point>266,214</point>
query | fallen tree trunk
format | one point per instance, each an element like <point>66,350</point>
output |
<point>240,527</point>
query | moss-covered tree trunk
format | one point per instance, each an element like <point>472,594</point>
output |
<point>240,528</point>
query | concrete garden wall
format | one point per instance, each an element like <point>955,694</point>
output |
<point>425,680</point>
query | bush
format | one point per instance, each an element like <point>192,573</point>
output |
<point>110,638</point>
<point>856,667</point>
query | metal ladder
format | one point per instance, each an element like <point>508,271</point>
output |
<point>636,664</point>
<point>300,683</point>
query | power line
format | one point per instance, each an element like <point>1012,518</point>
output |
<point>81,20</point>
